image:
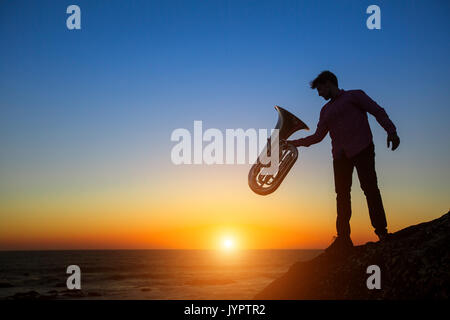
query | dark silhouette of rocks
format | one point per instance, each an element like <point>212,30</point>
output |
<point>6,285</point>
<point>414,264</point>
<point>54,295</point>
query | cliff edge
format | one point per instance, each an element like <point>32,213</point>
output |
<point>414,264</point>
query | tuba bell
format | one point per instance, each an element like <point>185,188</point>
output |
<point>264,184</point>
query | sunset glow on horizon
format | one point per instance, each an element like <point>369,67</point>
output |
<point>228,244</point>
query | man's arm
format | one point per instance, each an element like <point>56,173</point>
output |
<point>321,132</point>
<point>367,104</point>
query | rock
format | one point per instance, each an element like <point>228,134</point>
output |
<point>6,285</point>
<point>60,285</point>
<point>73,294</point>
<point>414,264</point>
<point>52,292</point>
<point>94,294</point>
<point>30,295</point>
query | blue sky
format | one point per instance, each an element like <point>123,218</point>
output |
<point>100,103</point>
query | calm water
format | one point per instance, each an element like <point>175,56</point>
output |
<point>146,274</point>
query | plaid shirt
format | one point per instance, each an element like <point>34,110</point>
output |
<point>345,117</point>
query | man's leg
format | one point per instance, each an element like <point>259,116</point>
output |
<point>343,170</point>
<point>365,166</point>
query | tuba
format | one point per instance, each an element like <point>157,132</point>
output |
<point>264,184</point>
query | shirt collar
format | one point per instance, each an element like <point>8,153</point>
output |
<point>341,91</point>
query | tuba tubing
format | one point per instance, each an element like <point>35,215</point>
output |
<point>266,184</point>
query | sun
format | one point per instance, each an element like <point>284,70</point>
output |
<point>228,243</point>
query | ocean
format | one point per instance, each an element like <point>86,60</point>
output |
<point>144,274</point>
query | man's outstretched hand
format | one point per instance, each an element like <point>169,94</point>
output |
<point>394,139</point>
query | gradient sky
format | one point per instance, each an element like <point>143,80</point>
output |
<point>86,118</point>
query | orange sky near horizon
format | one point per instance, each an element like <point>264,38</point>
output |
<point>196,207</point>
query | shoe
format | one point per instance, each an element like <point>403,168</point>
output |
<point>384,236</point>
<point>340,245</point>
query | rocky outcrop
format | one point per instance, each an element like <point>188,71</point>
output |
<point>414,264</point>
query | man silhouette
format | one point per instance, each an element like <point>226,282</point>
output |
<point>345,118</point>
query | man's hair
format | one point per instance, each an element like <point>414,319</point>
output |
<point>323,77</point>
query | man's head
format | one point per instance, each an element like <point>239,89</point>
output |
<point>326,84</point>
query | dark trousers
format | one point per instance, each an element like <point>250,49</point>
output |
<point>343,170</point>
